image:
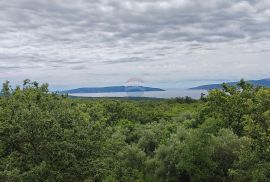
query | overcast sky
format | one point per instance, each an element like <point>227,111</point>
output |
<point>105,42</point>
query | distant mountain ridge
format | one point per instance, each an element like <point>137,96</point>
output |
<point>111,89</point>
<point>262,82</point>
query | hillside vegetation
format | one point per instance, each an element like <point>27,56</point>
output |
<point>221,138</point>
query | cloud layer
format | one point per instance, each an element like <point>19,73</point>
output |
<point>97,42</point>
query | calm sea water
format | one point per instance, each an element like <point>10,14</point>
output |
<point>172,93</point>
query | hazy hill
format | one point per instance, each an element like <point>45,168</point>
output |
<point>262,82</point>
<point>111,89</point>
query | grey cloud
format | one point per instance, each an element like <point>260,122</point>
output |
<point>79,67</point>
<point>8,68</point>
<point>127,60</point>
<point>104,74</point>
<point>123,22</point>
<point>66,35</point>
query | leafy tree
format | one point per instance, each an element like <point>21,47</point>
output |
<point>49,137</point>
<point>44,137</point>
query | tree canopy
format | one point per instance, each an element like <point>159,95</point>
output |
<point>49,137</point>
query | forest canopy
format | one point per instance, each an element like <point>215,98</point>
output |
<point>223,137</point>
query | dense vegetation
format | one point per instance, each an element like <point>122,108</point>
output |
<point>47,137</point>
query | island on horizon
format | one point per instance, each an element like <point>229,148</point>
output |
<point>263,83</point>
<point>110,89</point>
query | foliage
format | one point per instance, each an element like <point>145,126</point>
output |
<point>48,137</point>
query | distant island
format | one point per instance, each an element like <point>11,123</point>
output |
<point>111,89</point>
<point>262,82</point>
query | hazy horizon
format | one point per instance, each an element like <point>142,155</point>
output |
<point>182,85</point>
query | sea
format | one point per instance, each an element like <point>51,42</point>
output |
<point>169,93</point>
